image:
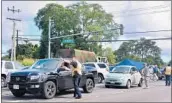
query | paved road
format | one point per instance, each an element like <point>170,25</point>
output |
<point>156,93</point>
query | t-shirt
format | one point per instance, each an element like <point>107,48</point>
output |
<point>78,69</point>
<point>168,70</point>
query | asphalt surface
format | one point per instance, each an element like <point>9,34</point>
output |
<point>157,92</point>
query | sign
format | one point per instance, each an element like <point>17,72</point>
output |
<point>68,41</point>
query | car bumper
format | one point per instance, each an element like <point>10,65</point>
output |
<point>118,83</point>
<point>32,88</point>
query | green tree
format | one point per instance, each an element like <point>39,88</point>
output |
<point>143,50</point>
<point>72,20</point>
<point>108,52</point>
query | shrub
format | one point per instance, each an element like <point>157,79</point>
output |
<point>28,61</point>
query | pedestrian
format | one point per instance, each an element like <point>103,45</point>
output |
<point>146,74</point>
<point>167,72</point>
<point>155,72</point>
<point>76,74</point>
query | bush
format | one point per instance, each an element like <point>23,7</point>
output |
<point>28,62</point>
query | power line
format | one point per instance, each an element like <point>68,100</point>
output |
<point>142,9</point>
<point>128,40</point>
<point>166,30</point>
<point>154,12</point>
<point>146,31</point>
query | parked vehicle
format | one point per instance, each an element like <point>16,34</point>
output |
<point>89,69</point>
<point>102,69</point>
<point>46,77</point>
<point>111,68</point>
<point>125,76</point>
<point>6,67</point>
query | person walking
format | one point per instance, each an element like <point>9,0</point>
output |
<point>155,72</point>
<point>146,74</point>
<point>167,72</point>
<point>76,74</point>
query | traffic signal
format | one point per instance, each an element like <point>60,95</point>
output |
<point>121,29</point>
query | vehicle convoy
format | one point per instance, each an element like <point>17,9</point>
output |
<point>102,69</point>
<point>6,67</point>
<point>125,76</point>
<point>47,77</point>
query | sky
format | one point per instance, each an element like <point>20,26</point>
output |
<point>142,20</point>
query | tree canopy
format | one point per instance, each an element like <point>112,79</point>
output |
<point>74,19</point>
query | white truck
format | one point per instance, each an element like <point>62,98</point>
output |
<point>7,67</point>
<point>102,69</point>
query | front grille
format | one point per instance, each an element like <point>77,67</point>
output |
<point>18,79</point>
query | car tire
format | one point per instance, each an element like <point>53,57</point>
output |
<point>18,93</point>
<point>3,82</point>
<point>140,83</point>
<point>49,90</point>
<point>107,86</point>
<point>100,78</point>
<point>89,86</point>
<point>128,85</point>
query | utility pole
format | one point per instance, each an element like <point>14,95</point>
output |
<point>49,38</point>
<point>13,49</point>
<point>17,43</point>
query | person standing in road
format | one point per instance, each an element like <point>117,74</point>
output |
<point>146,74</point>
<point>155,72</point>
<point>76,74</point>
<point>167,72</point>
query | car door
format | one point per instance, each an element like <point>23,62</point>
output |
<point>65,80</point>
<point>137,76</point>
<point>132,71</point>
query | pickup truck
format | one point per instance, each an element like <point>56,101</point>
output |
<point>6,67</point>
<point>47,77</point>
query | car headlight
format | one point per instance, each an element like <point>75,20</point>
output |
<point>8,78</point>
<point>34,77</point>
<point>38,77</point>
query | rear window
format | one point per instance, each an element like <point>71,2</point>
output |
<point>8,65</point>
<point>102,65</point>
<point>91,65</point>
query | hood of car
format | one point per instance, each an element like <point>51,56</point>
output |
<point>27,72</point>
<point>117,75</point>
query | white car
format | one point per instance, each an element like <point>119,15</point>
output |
<point>124,76</point>
<point>8,67</point>
<point>102,69</point>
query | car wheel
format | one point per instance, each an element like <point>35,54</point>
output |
<point>18,93</point>
<point>128,84</point>
<point>49,90</point>
<point>3,82</point>
<point>107,86</point>
<point>89,86</point>
<point>100,77</point>
<point>140,83</point>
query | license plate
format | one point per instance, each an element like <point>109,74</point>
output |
<point>15,86</point>
<point>112,82</point>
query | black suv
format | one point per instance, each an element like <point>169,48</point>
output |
<point>46,77</point>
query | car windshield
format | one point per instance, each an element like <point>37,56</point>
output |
<point>102,66</point>
<point>50,64</point>
<point>90,65</point>
<point>120,70</point>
